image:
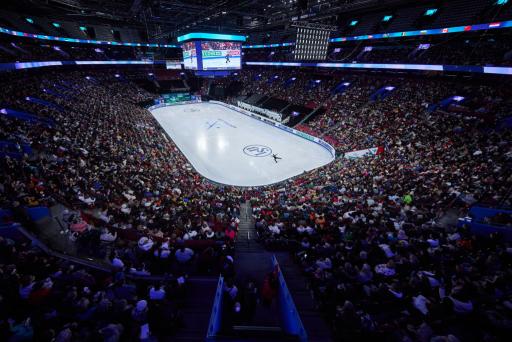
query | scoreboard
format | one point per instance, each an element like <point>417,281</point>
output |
<point>221,55</point>
<point>209,51</point>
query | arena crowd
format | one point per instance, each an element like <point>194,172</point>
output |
<point>366,232</point>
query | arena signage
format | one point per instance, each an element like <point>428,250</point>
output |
<point>453,29</point>
<point>269,113</point>
<point>211,36</point>
<point>411,67</point>
<point>82,41</point>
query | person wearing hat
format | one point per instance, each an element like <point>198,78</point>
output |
<point>210,234</point>
<point>145,243</point>
<point>184,254</point>
<point>140,312</point>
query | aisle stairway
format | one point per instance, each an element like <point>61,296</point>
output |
<point>246,238</point>
<point>313,322</point>
<point>252,263</point>
<point>197,309</point>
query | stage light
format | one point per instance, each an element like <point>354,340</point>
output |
<point>57,25</point>
<point>430,12</point>
<point>83,28</point>
<point>387,18</point>
<point>30,20</point>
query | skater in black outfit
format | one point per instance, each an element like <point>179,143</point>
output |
<point>276,158</point>
<point>227,58</point>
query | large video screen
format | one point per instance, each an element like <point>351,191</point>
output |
<point>190,55</point>
<point>221,55</point>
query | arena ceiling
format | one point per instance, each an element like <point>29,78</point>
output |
<point>169,18</point>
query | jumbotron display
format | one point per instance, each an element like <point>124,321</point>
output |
<point>212,55</point>
<point>221,55</point>
<point>210,52</point>
<point>190,55</point>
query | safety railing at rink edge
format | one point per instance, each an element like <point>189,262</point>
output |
<point>216,317</point>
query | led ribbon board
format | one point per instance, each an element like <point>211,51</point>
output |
<point>82,41</point>
<point>37,64</point>
<point>261,46</point>
<point>211,36</point>
<point>419,67</point>
<point>374,66</point>
<point>454,29</point>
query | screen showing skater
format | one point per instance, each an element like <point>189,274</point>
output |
<point>189,55</point>
<point>221,55</point>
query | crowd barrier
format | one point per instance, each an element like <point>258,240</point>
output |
<point>11,231</point>
<point>216,317</point>
<point>24,116</point>
<point>479,213</point>
<point>291,322</point>
<point>476,220</point>
<point>45,103</point>
<point>484,230</point>
<point>13,150</point>
<point>38,213</point>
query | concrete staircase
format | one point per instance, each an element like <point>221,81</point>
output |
<point>253,262</point>
<point>197,310</point>
<point>246,237</point>
<point>313,322</point>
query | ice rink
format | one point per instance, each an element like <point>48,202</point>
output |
<point>231,148</point>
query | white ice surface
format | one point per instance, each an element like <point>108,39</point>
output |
<point>213,138</point>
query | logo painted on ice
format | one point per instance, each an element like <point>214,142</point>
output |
<point>257,150</point>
